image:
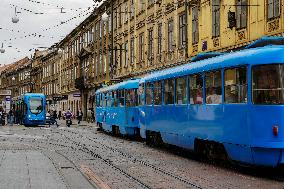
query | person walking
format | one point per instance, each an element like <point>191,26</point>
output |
<point>59,114</point>
<point>11,117</point>
<point>53,118</point>
<point>79,116</point>
<point>89,115</point>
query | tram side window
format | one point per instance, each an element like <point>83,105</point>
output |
<point>114,99</point>
<point>109,101</point>
<point>236,85</point>
<point>141,95</point>
<point>158,93</point>
<point>181,88</point>
<point>196,89</point>
<point>97,100</point>
<point>213,87</point>
<point>120,98</point>
<point>268,84</point>
<point>169,91</point>
<point>131,97</point>
<point>104,99</point>
<point>101,100</point>
<point>149,93</point>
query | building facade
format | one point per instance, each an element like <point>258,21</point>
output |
<point>84,62</point>
<point>153,35</point>
<point>50,78</point>
<point>122,39</point>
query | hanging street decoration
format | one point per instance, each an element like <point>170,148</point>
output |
<point>27,10</point>
<point>82,14</point>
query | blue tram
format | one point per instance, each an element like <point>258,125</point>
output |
<point>231,104</point>
<point>117,110</point>
<point>31,109</point>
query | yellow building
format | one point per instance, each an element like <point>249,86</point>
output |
<point>152,35</point>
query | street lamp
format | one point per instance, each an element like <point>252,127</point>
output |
<point>2,50</point>
<point>15,19</point>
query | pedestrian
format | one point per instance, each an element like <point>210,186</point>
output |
<point>11,117</point>
<point>48,117</point>
<point>89,115</point>
<point>79,116</point>
<point>59,114</point>
<point>17,114</point>
<point>53,118</point>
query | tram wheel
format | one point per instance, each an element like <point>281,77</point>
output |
<point>154,138</point>
<point>115,130</point>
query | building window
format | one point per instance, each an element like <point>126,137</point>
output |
<point>141,47</point>
<point>170,35</point>
<point>195,28</point>
<point>216,18</point>
<point>126,53</point>
<point>120,55</point>
<point>120,17</point>
<point>182,30</point>
<point>241,13</point>
<point>160,35</point>
<point>126,12</point>
<point>132,51</point>
<point>273,8</point>
<point>141,5</point>
<point>150,44</point>
<point>150,2</point>
<point>132,9</point>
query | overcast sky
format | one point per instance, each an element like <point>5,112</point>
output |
<point>32,21</point>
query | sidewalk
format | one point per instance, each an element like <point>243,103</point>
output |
<point>75,123</point>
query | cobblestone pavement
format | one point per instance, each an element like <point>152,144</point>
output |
<point>82,157</point>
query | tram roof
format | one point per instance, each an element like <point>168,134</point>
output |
<point>129,84</point>
<point>254,56</point>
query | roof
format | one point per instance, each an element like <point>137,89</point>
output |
<point>129,84</point>
<point>16,65</point>
<point>254,56</point>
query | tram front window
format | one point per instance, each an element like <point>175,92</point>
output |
<point>36,105</point>
<point>268,84</point>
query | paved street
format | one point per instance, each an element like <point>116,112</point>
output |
<point>82,157</point>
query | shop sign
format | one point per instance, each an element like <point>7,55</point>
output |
<point>76,95</point>
<point>5,92</point>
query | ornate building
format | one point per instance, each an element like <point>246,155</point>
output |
<point>84,62</point>
<point>50,74</point>
<point>152,35</point>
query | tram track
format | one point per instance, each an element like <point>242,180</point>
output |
<point>133,159</point>
<point>86,150</point>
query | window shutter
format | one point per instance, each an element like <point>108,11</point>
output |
<point>270,9</point>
